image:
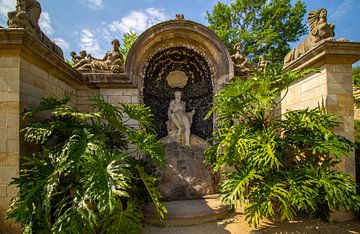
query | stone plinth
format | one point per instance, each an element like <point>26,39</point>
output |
<point>185,175</point>
<point>114,80</point>
<point>331,87</point>
<point>189,212</point>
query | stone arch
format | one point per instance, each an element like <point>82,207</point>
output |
<point>179,45</point>
<point>184,32</point>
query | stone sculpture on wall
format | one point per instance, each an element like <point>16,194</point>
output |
<point>179,120</point>
<point>242,67</point>
<point>320,30</point>
<point>240,61</point>
<point>26,16</point>
<point>111,63</point>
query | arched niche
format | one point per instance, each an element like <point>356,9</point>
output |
<point>179,45</point>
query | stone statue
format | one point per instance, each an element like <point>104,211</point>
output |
<point>179,17</point>
<point>261,64</point>
<point>179,119</point>
<point>240,61</point>
<point>81,60</point>
<point>320,30</point>
<point>26,16</point>
<point>112,61</point>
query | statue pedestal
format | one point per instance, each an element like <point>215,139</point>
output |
<point>185,175</point>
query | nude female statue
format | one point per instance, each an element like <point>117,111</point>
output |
<point>179,119</point>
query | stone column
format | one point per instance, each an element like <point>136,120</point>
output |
<point>331,87</point>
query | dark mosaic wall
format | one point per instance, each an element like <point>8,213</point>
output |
<point>198,93</point>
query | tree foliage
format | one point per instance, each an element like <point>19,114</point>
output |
<point>263,27</point>
<point>87,177</point>
<point>356,76</point>
<point>282,165</point>
<point>128,40</point>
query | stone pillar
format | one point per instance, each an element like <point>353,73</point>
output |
<point>331,87</point>
<point>28,72</point>
<point>9,132</point>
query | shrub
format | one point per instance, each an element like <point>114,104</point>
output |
<point>86,178</point>
<point>282,165</point>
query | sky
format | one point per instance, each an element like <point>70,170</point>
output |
<point>91,25</point>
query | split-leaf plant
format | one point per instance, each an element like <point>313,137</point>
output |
<point>88,176</point>
<point>281,165</point>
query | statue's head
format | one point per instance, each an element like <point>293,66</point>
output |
<point>72,53</point>
<point>177,94</point>
<point>82,53</point>
<point>115,43</point>
<point>322,13</point>
<point>237,46</point>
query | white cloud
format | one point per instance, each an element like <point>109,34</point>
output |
<point>94,4</point>
<point>5,7</point>
<point>138,21</point>
<point>62,43</point>
<point>90,43</point>
<point>45,23</point>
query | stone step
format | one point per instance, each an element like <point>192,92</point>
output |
<point>188,212</point>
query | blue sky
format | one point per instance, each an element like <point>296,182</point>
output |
<point>92,24</point>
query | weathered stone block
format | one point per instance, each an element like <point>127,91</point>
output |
<point>339,88</point>
<point>336,77</point>
<point>12,120</point>
<point>131,92</point>
<point>309,84</point>
<point>12,146</point>
<point>9,133</point>
<point>8,172</point>
<point>345,100</point>
<point>135,100</point>
<point>343,67</point>
<point>11,107</point>
<point>9,96</point>
<point>9,61</point>
<point>4,203</point>
<point>11,191</point>
<point>38,82</point>
<point>111,92</point>
<point>117,99</point>
<point>3,191</point>
<point>2,120</point>
<point>9,159</point>
<point>9,85</point>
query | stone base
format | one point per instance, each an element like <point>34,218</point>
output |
<point>185,175</point>
<point>188,212</point>
<point>341,215</point>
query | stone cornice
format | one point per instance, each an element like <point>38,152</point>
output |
<point>329,52</point>
<point>18,42</point>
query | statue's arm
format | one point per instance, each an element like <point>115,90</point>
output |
<point>170,109</point>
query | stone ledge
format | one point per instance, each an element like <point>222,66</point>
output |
<point>107,80</point>
<point>327,52</point>
<point>18,42</point>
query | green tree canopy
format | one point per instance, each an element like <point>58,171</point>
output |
<point>261,26</point>
<point>128,40</point>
